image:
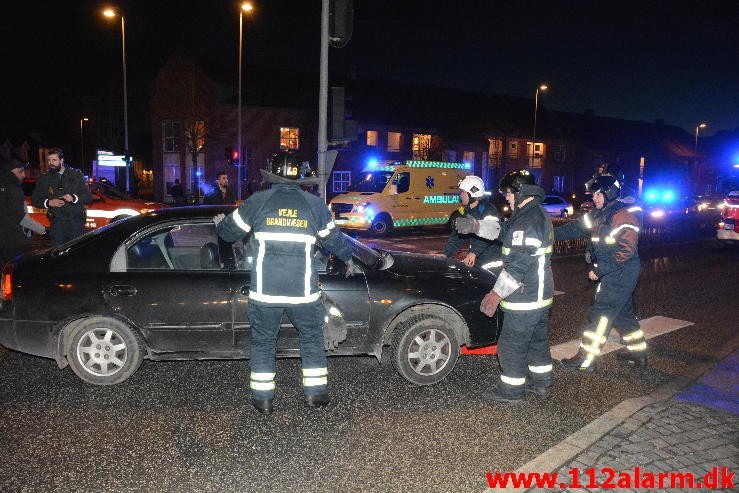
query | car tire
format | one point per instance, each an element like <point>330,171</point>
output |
<point>424,350</point>
<point>382,225</point>
<point>104,350</point>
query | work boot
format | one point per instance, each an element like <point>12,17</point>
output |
<point>319,400</point>
<point>539,389</point>
<point>264,406</point>
<point>639,359</point>
<point>501,394</point>
<point>576,363</point>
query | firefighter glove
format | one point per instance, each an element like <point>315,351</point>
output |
<point>466,224</point>
<point>217,219</point>
<point>490,303</point>
<point>334,332</point>
<point>351,268</point>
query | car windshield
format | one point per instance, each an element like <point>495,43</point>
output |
<point>371,181</point>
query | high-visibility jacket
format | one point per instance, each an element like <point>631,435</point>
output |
<point>285,223</point>
<point>526,283</point>
<point>614,233</point>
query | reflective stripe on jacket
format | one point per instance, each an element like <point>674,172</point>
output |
<point>285,224</point>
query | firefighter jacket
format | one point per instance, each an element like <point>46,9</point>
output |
<point>12,210</point>
<point>526,284</point>
<point>614,233</point>
<point>285,223</point>
<point>56,185</point>
<point>478,246</point>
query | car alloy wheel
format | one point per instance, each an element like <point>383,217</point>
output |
<point>424,349</point>
<point>381,226</point>
<point>103,351</point>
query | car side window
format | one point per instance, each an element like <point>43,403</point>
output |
<point>404,182</point>
<point>180,247</point>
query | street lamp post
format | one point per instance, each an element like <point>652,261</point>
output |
<point>697,129</point>
<point>245,7</point>
<point>542,88</point>
<point>111,13</point>
<point>82,142</point>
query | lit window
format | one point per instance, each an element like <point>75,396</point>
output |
<point>289,138</point>
<point>468,157</point>
<point>171,133</point>
<point>421,146</point>
<point>341,180</point>
<point>372,138</point>
<point>393,142</point>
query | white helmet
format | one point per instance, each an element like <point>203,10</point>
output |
<point>473,185</point>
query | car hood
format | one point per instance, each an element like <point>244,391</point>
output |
<point>418,264</point>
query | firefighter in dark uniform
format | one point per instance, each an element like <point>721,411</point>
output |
<point>524,289</point>
<point>486,254</point>
<point>62,191</point>
<point>613,230</point>
<point>284,224</point>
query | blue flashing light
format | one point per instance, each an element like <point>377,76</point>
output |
<point>668,196</point>
<point>651,196</point>
<point>467,165</point>
<point>199,173</point>
<point>372,163</point>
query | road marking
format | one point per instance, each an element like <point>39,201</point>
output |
<point>652,327</point>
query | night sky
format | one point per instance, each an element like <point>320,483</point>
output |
<point>645,60</point>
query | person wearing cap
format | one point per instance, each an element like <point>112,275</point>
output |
<point>483,252</point>
<point>285,224</point>
<point>524,290</point>
<point>12,210</point>
<point>62,191</point>
<point>613,230</point>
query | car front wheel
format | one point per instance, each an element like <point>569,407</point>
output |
<point>103,350</point>
<point>424,350</point>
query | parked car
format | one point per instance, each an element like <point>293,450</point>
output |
<point>557,206</point>
<point>108,204</point>
<point>587,206</point>
<point>162,286</point>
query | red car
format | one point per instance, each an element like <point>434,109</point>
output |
<point>108,204</point>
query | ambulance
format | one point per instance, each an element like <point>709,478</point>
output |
<point>728,227</point>
<point>403,194</point>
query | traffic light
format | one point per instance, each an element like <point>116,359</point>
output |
<point>235,158</point>
<point>227,153</point>
<point>341,22</point>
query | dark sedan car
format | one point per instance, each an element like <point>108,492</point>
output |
<point>163,286</point>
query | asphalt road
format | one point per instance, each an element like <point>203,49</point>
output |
<point>188,426</point>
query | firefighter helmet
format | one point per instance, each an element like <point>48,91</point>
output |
<point>608,185</point>
<point>473,185</point>
<point>521,184</point>
<point>287,167</point>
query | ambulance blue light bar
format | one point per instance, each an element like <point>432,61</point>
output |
<point>433,164</point>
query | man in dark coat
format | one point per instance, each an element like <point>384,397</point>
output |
<point>12,210</point>
<point>222,193</point>
<point>64,193</point>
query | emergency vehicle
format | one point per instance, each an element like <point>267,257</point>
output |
<point>108,204</point>
<point>728,227</point>
<point>400,195</point>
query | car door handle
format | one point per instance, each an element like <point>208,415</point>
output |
<point>244,290</point>
<point>123,290</point>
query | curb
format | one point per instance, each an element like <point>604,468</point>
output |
<point>561,453</point>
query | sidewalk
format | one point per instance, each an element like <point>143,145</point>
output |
<point>690,425</point>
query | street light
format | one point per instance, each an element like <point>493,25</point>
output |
<point>542,88</point>
<point>245,7</point>
<point>111,13</point>
<point>82,142</point>
<point>697,129</point>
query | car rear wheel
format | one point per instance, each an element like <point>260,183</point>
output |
<point>382,225</point>
<point>424,350</point>
<point>103,350</point>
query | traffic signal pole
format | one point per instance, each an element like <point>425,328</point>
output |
<point>323,103</point>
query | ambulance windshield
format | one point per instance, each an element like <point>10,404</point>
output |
<point>371,181</point>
